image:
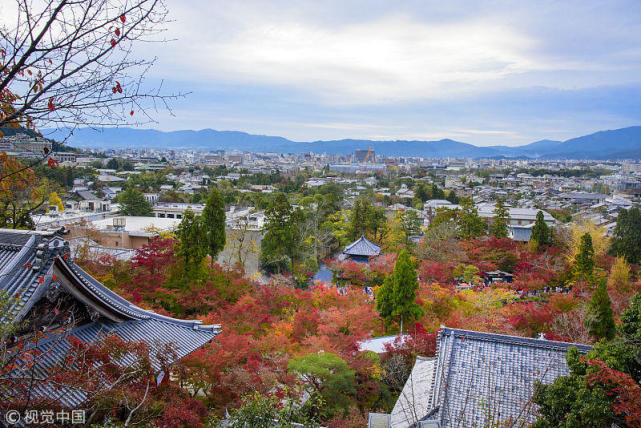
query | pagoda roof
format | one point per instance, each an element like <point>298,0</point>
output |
<point>362,247</point>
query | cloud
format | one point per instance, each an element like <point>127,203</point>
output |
<point>388,59</point>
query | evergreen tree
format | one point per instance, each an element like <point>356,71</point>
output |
<point>367,220</point>
<point>396,299</point>
<point>541,234</point>
<point>280,244</point>
<point>580,399</point>
<point>437,193</point>
<point>133,202</point>
<point>626,238</point>
<point>584,260</point>
<point>498,229</point>
<point>192,246</point>
<point>600,317</point>
<point>214,222</point>
<point>470,224</point>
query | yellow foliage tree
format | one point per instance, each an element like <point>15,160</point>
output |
<point>600,240</point>
<point>619,278</point>
<point>54,200</point>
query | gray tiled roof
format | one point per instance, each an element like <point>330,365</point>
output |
<point>154,332</point>
<point>411,405</point>
<point>27,262</point>
<point>362,247</point>
<point>483,379</point>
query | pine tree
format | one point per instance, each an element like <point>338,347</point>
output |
<point>541,235</point>
<point>626,238</point>
<point>192,245</point>
<point>600,318</point>
<point>498,229</point>
<point>470,224</point>
<point>279,247</point>
<point>397,296</point>
<point>133,202</point>
<point>584,260</point>
<point>214,223</point>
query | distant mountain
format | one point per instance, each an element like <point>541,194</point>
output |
<point>613,144</point>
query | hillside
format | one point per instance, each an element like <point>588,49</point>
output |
<point>611,144</point>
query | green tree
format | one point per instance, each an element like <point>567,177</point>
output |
<point>366,219</point>
<point>112,164</point>
<point>600,318</point>
<point>327,375</point>
<point>584,260</point>
<point>541,234</point>
<point>570,401</point>
<point>133,202</point>
<point>470,224</point>
<point>577,400</point>
<point>279,248</point>
<point>213,218</point>
<point>498,228</point>
<point>626,237</point>
<point>260,411</point>
<point>396,299</point>
<point>192,245</point>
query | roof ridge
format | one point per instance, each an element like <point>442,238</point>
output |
<point>506,338</point>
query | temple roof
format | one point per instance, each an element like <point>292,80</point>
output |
<point>480,379</point>
<point>33,265</point>
<point>362,247</point>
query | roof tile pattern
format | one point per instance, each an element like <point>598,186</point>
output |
<point>483,379</point>
<point>362,247</point>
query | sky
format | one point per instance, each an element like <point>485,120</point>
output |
<point>483,72</point>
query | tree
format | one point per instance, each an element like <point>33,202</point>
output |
<point>192,237</point>
<point>626,238</point>
<point>112,163</point>
<point>55,201</point>
<point>214,222</point>
<point>570,401</point>
<point>600,240</point>
<point>396,299</point>
<point>470,224</point>
<point>70,63</point>
<point>269,412</point>
<point>600,318</point>
<point>541,234</point>
<point>280,244</point>
<point>366,219</point>
<point>584,260</point>
<point>498,228</point>
<point>20,195</point>
<point>619,278</point>
<point>329,376</point>
<point>133,202</point>
<point>602,388</point>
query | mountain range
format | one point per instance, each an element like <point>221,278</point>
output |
<point>624,143</point>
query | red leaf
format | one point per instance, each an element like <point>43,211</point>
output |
<point>123,18</point>
<point>113,43</point>
<point>54,277</point>
<point>131,113</point>
<point>41,280</point>
<point>117,32</point>
<point>51,105</point>
<point>52,163</point>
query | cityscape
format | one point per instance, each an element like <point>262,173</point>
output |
<point>161,271</point>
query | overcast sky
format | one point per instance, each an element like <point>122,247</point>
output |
<point>483,72</point>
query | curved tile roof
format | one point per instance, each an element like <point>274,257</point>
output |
<point>362,247</point>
